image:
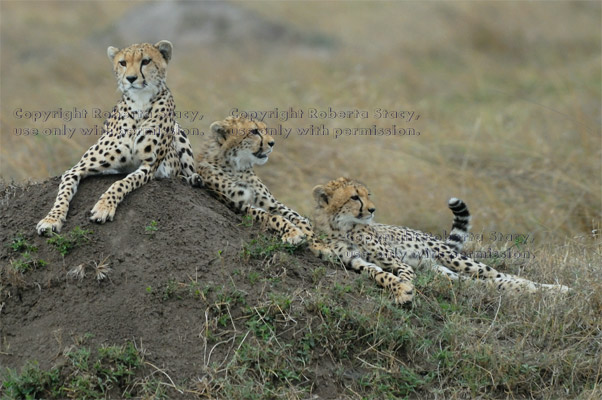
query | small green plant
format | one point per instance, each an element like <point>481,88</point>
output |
<point>281,301</point>
<point>149,289</point>
<point>425,279</point>
<point>253,277</point>
<point>31,383</point>
<point>317,274</point>
<point>392,384</point>
<point>342,289</point>
<point>194,289</point>
<point>20,244</point>
<point>520,241</point>
<point>26,261</point>
<point>152,388</point>
<point>79,358</point>
<point>89,375</point>
<point>76,238</point>
<point>96,374</point>
<point>205,291</point>
<point>151,228</point>
<point>231,297</point>
<point>264,246</point>
<point>247,221</point>
<point>261,326</point>
<point>197,292</point>
<point>170,289</point>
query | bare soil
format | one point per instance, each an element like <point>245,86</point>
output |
<point>146,298</point>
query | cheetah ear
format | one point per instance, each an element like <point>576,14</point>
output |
<point>112,52</point>
<point>165,47</point>
<point>221,134</point>
<point>320,196</point>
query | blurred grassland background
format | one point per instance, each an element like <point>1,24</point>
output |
<point>508,95</point>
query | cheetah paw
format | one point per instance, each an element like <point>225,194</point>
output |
<point>294,237</point>
<point>193,180</point>
<point>102,212</point>
<point>49,225</point>
<point>403,292</point>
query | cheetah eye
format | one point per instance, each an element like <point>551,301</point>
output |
<point>122,63</point>
<point>255,132</point>
<point>356,197</point>
<point>145,61</point>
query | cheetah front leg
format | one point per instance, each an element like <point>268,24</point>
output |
<point>105,207</point>
<point>53,222</point>
<point>300,222</point>
<point>93,162</point>
<point>151,146</point>
<point>212,178</point>
<point>287,231</point>
<point>350,255</point>
<point>183,150</point>
<point>239,196</point>
<point>299,227</point>
<point>388,261</point>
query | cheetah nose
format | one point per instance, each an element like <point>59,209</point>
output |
<point>131,79</point>
<point>371,210</point>
<point>271,144</point>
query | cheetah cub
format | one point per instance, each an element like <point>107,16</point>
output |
<point>140,137</point>
<point>226,168</point>
<point>344,214</point>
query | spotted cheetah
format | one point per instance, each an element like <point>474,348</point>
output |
<point>140,137</point>
<point>344,215</point>
<point>225,166</point>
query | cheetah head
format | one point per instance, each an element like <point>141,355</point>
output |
<point>341,203</point>
<point>141,67</point>
<point>242,142</point>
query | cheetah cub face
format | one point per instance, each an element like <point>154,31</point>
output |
<point>140,69</point>
<point>346,202</point>
<point>242,142</point>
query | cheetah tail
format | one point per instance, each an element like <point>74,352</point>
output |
<point>461,225</point>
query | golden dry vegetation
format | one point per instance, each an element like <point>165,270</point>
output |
<point>508,98</point>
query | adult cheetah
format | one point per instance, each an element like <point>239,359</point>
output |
<point>140,137</point>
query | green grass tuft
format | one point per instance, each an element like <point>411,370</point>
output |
<point>265,246</point>
<point>88,375</point>
<point>66,243</point>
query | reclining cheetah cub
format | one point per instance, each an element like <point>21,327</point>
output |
<point>344,213</point>
<point>140,137</point>
<point>226,168</point>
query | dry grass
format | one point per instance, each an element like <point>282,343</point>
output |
<point>509,102</point>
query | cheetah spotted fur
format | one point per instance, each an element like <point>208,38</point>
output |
<point>344,215</point>
<point>225,167</point>
<point>140,137</point>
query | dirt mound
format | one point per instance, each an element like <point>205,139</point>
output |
<point>179,298</point>
<point>179,263</point>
